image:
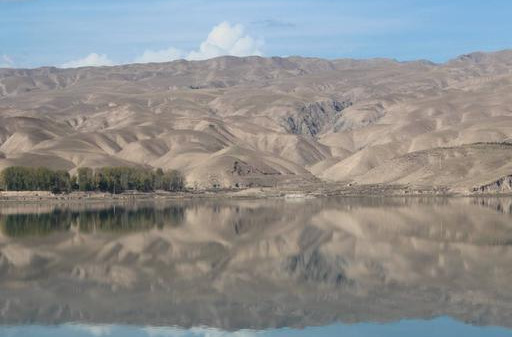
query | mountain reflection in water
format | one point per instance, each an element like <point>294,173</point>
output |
<point>257,265</point>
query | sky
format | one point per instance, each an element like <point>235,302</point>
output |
<point>72,33</point>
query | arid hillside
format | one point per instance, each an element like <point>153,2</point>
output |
<point>268,121</point>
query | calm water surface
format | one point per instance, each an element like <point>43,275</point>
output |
<point>322,267</point>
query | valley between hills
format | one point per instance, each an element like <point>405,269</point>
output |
<point>271,122</point>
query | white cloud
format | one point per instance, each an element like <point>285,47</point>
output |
<point>91,60</point>
<point>164,55</point>
<point>6,61</point>
<point>227,39</point>
<point>223,39</point>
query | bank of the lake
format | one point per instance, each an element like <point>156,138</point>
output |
<point>291,192</point>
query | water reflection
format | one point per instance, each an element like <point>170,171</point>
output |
<point>439,327</point>
<point>115,218</point>
<point>234,265</point>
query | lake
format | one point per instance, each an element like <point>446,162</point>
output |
<point>299,267</point>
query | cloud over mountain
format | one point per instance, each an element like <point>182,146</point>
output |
<point>91,60</point>
<point>227,39</point>
<point>6,61</point>
<point>223,39</point>
<point>163,55</point>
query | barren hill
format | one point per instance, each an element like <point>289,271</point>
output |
<point>266,121</point>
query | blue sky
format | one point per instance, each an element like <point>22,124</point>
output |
<point>70,32</point>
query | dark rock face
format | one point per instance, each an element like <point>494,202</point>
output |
<point>241,168</point>
<point>313,118</point>
<point>503,184</point>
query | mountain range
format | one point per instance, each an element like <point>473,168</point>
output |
<point>257,121</point>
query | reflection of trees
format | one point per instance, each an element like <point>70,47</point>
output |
<point>115,219</point>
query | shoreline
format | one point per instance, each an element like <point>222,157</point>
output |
<point>288,192</point>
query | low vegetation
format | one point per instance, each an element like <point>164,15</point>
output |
<point>105,179</point>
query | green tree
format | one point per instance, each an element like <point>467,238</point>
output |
<point>17,178</point>
<point>173,181</point>
<point>85,179</point>
<point>61,182</point>
<point>158,179</point>
<point>105,179</point>
<point>2,181</point>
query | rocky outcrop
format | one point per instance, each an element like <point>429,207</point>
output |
<point>313,118</point>
<point>241,168</point>
<point>502,185</point>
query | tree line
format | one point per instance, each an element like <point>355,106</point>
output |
<point>104,179</point>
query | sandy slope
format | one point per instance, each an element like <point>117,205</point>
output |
<point>269,121</point>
